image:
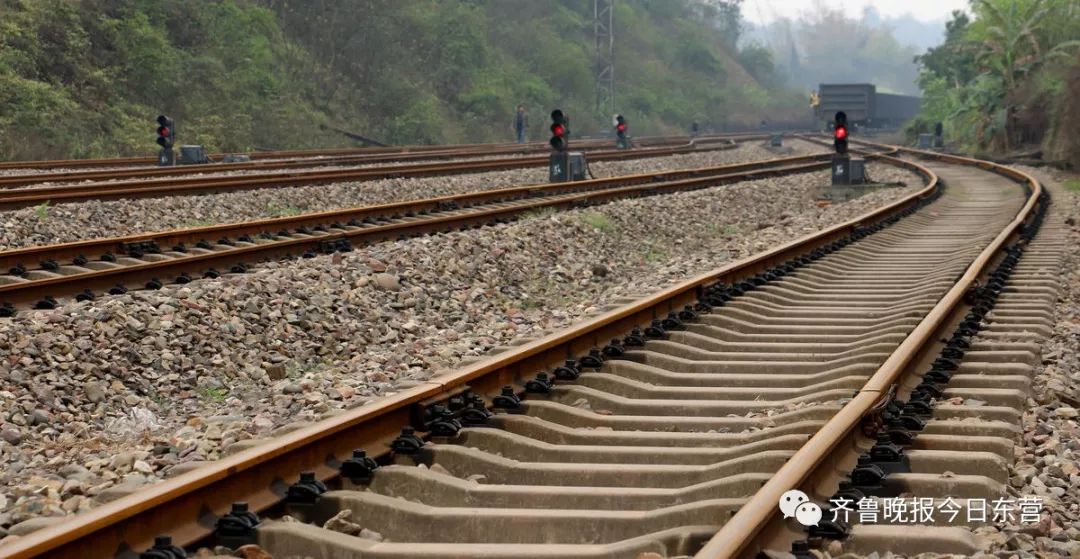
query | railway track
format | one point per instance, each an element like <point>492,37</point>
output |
<point>36,276</point>
<point>311,161</point>
<point>148,161</point>
<point>644,430</point>
<point>11,198</point>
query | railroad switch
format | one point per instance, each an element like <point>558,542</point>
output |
<point>237,528</point>
<point>164,549</point>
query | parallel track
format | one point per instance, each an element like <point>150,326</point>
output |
<point>146,161</point>
<point>189,185</point>
<point>716,394</point>
<point>312,161</point>
<point>89,268</point>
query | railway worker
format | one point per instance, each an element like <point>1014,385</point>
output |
<point>521,122</point>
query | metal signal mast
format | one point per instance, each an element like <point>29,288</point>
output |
<point>603,20</point>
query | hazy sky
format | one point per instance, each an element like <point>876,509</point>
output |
<point>760,11</point>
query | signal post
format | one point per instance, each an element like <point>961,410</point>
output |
<point>166,138</point>
<point>564,165</point>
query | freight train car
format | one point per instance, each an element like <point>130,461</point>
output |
<point>865,106</point>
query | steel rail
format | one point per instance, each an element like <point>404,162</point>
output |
<point>293,163</point>
<point>737,534</point>
<point>172,186</point>
<point>306,153</point>
<point>186,506</point>
<point>431,215</point>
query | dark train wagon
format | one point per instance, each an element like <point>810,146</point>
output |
<point>865,106</point>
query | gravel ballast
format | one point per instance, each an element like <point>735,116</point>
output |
<point>93,219</point>
<point>1047,462</point>
<point>118,392</point>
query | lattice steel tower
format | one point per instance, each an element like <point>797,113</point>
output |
<point>603,20</point>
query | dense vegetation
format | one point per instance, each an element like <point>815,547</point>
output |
<point>85,78</point>
<point>1008,78</point>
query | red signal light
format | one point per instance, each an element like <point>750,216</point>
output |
<point>163,131</point>
<point>558,130</point>
<point>621,127</point>
<point>841,132</point>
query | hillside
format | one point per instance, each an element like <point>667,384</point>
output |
<point>82,78</point>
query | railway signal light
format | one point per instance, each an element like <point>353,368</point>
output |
<point>620,131</point>
<point>840,133</point>
<point>166,138</point>
<point>559,130</point>
<point>166,132</point>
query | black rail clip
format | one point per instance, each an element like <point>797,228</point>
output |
<point>594,360</point>
<point>830,529</point>
<point>569,371</point>
<point>306,491</point>
<point>539,385</point>
<point>407,443</point>
<point>237,528</point>
<point>508,400</point>
<point>800,549</point>
<point>888,455</point>
<point>470,409</point>
<point>360,468</point>
<point>441,422</point>
<point>137,249</point>
<point>164,549</point>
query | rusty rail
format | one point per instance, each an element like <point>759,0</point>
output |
<point>289,154</point>
<point>296,163</point>
<point>738,533</point>
<point>183,185</point>
<point>186,506</point>
<point>355,225</point>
